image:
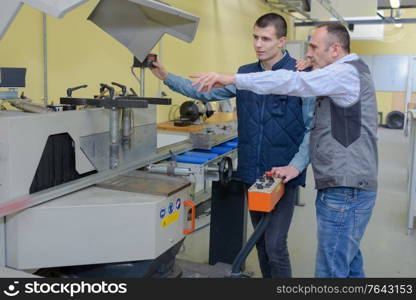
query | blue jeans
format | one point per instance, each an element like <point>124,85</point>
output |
<point>272,246</point>
<point>342,215</point>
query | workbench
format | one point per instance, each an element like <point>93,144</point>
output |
<point>222,126</point>
<point>217,118</point>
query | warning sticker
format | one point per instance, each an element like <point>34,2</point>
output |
<point>170,219</point>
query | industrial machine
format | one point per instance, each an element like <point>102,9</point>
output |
<point>119,215</point>
<point>71,196</point>
<point>201,168</point>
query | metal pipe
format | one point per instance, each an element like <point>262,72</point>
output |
<point>409,89</point>
<point>165,170</point>
<point>142,83</point>
<point>126,126</point>
<point>27,106</point>
<point>45,60</point>
<point>142,73</point>
<point>211,169</point>
<point>159,91</point>
<point>362,22</point>
<point>114,138</point>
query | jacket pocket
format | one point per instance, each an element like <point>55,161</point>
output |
<point>334,201</point>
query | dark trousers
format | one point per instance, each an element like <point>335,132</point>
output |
<point>272,246</point>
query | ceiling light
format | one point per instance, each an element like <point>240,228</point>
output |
<point>395,3</point>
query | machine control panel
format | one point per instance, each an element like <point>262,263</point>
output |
<point>264,194</point>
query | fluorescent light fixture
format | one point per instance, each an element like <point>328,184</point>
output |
<point>395,3</point>
<point>56,8</point>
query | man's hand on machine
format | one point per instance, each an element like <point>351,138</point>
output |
<point>159,70</point>
<point>208,81</point>
<point>287,173</point>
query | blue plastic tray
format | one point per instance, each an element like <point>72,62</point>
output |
<point>189,159</point>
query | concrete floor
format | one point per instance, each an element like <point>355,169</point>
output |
<point>388,250</point>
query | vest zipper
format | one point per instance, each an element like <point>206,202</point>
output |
<point>260,137</point>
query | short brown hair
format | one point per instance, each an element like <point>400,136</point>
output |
<point>273,19</point>
<point>338,33</point>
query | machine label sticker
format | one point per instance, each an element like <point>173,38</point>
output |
<point>178,203</point>
<point>162,213</point>
<point>170,219</point>
<point>170,208</point>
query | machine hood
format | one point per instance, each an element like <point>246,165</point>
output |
<point>140,24</point>
<point>55,8</point>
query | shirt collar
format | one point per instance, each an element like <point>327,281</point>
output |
<point>349,57</point>
<point>278,64</point>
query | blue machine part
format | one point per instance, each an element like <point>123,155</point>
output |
<point>218,150</point>
<point>230,144</point>
<point>202,154</point>
<point>199,160</point>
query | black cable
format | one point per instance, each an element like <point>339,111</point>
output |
<point>245,251</point>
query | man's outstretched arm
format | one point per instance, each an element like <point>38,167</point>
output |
<point>340,81</point>
<point>184,86</point>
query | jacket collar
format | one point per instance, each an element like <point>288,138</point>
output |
<point>278,65</point>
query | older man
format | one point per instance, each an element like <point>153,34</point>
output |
<point>343,142</point>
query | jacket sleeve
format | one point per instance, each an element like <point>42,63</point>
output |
<point>184,86</point>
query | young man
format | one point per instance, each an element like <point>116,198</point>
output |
<point>343,146</point>
<point>272,132</point>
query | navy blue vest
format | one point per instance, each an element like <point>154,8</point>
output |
<point>270,128</point>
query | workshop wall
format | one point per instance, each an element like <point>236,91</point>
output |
<point>396,41</point>
<point>81,53</point>
<point>22,47</point>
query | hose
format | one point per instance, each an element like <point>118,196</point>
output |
<point>245,251</point>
